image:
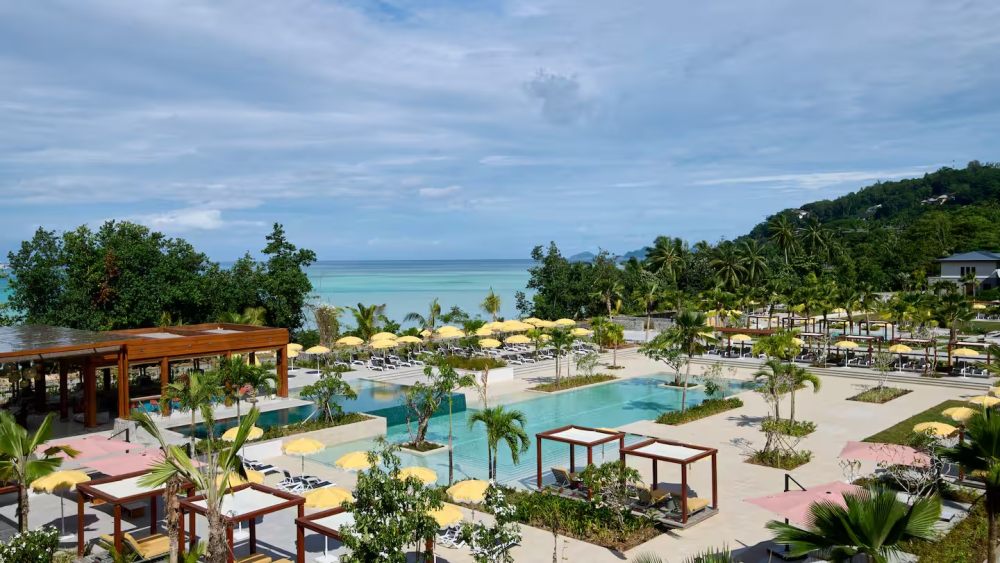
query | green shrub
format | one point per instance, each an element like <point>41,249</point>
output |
<point>879,394</point>
<point>708,407</point>
<point>780,459</point>
<point>31,546</point>
<point>474,364</point>
<point>572,382</point>
<point>797,429</point>
<point>965,543</point>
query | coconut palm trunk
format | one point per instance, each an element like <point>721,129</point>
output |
<point>22,508</point>
<point>171,509</point>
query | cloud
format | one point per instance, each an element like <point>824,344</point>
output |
<point>562,101</point>
<point>435,193</point>
<point>191,220</point>
<point>819,180</point>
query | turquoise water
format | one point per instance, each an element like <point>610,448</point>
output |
<point>607,405</point>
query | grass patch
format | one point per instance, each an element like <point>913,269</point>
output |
<point>422,447</point>
<point>902,431</point>
<point>797,429</point>
<point>708,407</point>
<point>579,519</point>
<point>779,459</point>
<point>965,543</point>
<point>575,381</point>
<point>879,394</point>
<point>474,364</point>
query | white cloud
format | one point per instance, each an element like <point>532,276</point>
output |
<point>818,180</point>
<point>190,219</point>
<point>434,193</point>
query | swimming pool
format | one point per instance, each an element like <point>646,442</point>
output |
<point>609,405</point>
<point>374,397</point>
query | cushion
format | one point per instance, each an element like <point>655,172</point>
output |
<point>696,503</point>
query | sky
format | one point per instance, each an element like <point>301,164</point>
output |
<point>401,129</point>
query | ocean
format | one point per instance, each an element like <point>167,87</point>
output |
<point>405,286</point>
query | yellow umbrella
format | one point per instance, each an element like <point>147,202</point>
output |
<point>740,338</point>
<point>447,515</point>
<point>545,338</point>
<point>984,401</point>
<point>354,461</point>
<point>451,334</point>
<point>383,336</point>
<point>426,333</point>
<point>939,429</point>
<point>254,434</point>
<point>581,332</point>
<point>490,343</point>
<point>425,475</point>
<point>545,324</point>
<point>964,352</point>
<point>517,339</point>
<point>900,349</point>
<point>565,322</point>
<point>532,321</point>
<point>383,344</point>
<point>448,328</point>
<point>979,306</point>
<point>236,480</point>
<point>515,326</point>
<point>994,391</point>
<point>483,331</point>
<point>293,346</point>
<point>350,341</point>
<point>303,447</point>
<point>410,340</point>
<point>317,350</point>
<point>65,480</point>
<point>293,353</point>
<point>846,345</point>
<point>328,497</point>
<point>473,490</point>
<point>959,414</point>
<point>494,325</point>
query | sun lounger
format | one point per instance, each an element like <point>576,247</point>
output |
<point>650,498</point>
<point>694,504</point>
<point>255,558</point>
<point>564,478</point>
<point>148,548</point>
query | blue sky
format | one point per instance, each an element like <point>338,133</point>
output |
<point>404,129</point>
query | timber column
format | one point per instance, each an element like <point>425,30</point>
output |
<point>281,367</point>
<point>89,393</point>
<point>123,397</point>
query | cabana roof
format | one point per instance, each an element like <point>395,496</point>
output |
<point>119,489</point>
<point>326,522</point>
<point>246,502</point>
<point>861,337</point>
<point>669,451</point>
<point>581,435</point>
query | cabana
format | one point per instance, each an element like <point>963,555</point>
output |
<point>327,523</point>
<point>243,503</point>
<point>682,454</point>
<point>576,436</point>
<point>118,491</point>
<point>985,346</point>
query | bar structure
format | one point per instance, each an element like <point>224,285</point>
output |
<point>678,453</point>
<point>64,351</point>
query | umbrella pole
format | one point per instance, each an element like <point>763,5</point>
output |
<point>62,514</point>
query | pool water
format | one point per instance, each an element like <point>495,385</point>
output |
<point>608,405</point>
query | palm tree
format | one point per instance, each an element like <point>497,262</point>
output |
<point>648,296</point>
<point>192,392</point>
<point>23,459</point>
<point>236,376</point>
<point>954,309</point>
<point>367,318</point>
<point>689,333</point>
<point>666,257</point>
<point>256,316</point>
<point>614,335</point>
<point>774,382</point>
<point>561,340</point>
<point>799,376</point>
<point>502,425</point>
<point>429,322</point>
<point>871,525</point>
<point>782,233</point>
<point>610,293</point>
<point>816,239</point>
<point>979,453</point>
<point>752,257</point>
<point>728,266</point>
<point>210,478</point>
<point>491,304</point>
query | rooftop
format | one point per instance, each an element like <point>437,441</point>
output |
<point>974,256</point>
<point>41,337</point>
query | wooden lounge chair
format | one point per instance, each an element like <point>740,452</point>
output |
<point>564,478</point>
<point>650,498</point>
<point>694,504</point>
<point>255,558</point>
<point>149,548</point>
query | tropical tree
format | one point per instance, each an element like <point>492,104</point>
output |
<point>492,544</point>
<point>367,318</point>
<point>326,391</point>
<point>610,292</point>
<point>561,340</point>
<point>666,257</point>
<point>647,296</point>
<point>448,379</point>
<point>954,309</point>
<point>689,333</point>
<point>799,376</point>
<point>328,323</point>
<point>728,266</point>
<point>491,304</point>
<point>979,454</point>
<point>502,425</point>
<point>871,525</point>
<point>614,336</point>
<point>193,391</point>
<point>772,383</point>
<point>237,377</point>
<point>781,232</point>
<point>211,478</point>
<point>428,322</point>
<point>752,259</point>
<point>255,316</point>
<point>663,348</point>
<point>816,239</point>
<point>25,457</point>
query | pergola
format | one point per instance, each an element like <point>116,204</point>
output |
<point>679,453</point>
<point>984,345</point>
<point>50,349</point>
<point>243,503</point>
<point>117,491</point>
<point>326,523</point>
<point>576,436</point>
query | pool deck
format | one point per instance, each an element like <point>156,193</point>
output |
<point>738,524</point>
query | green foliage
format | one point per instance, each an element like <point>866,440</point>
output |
<point>282,431</point>
<point>325,393</point>
<point>502,425</point>
<point>873,523</point>
<point>492,544</point>
<point>473,364</point>
<point>965,543</point>
<point>613,485</point>
<point>573,382</point>
<point>879,394</point>
<point>902,432</point>
<point>31,546</point>
<point>124,276</point>
<point>389,513</point>
<point>780,458</point>
<point>795,428</point>
<point>708,407</point>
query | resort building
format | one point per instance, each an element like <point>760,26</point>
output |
<point>982,264</point>
<point>129,366</point>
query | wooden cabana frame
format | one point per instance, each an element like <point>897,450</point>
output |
<point>92,491</point>
<point>574,435</point>
<point>311,523</point>
<point>698,453</point>
<point>190,506</point>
